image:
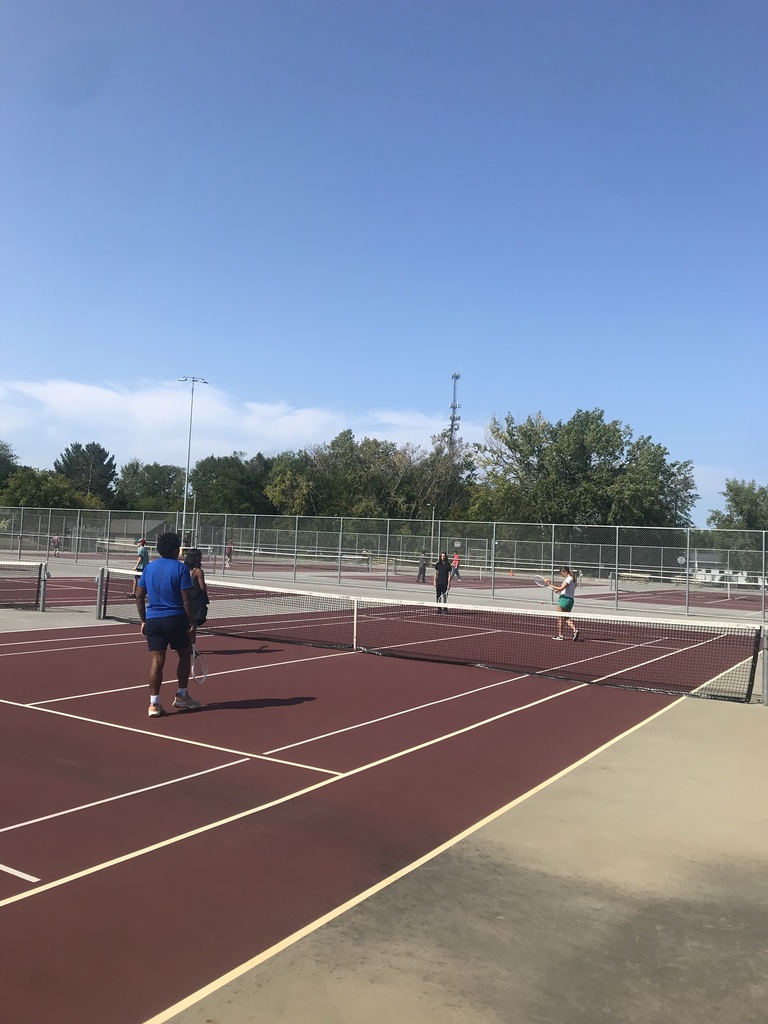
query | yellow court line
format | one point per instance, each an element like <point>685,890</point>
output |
<point>290,940</point>
<point>240,815</point>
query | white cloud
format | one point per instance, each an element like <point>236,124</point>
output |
<point>150,421</point>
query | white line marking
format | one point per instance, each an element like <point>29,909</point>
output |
<point>123,796</point>
<point>212,826</point>
<point>55,650</point>
<point>97,638</point>
<point>165,736</point>
<point>397,714</point>
<point>18,874</point>
<point>290,940</point>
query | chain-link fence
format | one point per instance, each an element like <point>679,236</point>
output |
<point>690,571</point>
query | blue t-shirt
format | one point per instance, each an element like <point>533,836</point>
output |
<point>143,556</point>
<point>164,579</point>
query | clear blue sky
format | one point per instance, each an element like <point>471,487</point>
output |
<point>327,207</point>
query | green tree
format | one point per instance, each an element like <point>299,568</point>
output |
<point>290,486</point>
<point>746,507</point>
<point>90,469</point>
<point>8,461</point>
<point>150,488</point>
<point>444,478</point>
<point>231,484</point>
<point>39,488</point>
<point>585,470</point>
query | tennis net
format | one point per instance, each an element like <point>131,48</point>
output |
<point>21,585</point>
<point>703,659</point>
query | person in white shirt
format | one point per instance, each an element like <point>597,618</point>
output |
<point>565,590</point>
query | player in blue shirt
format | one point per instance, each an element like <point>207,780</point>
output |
<point>163,597</point>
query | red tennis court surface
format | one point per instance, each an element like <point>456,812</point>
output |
<point>309,778</point>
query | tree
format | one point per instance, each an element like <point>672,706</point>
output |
<point>35,488</point>
<point>8,461</point>
<point>231,484</point>
<point>90,469</point>
<point>746,507</point>
<point>150,487</point>
<point>585,470</point>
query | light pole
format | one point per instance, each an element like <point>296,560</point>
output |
<point>193,381</point>
<point>432,535</point>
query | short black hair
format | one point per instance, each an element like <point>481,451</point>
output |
<point>169,545</point>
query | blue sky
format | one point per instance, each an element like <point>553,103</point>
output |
<point>328,207</point>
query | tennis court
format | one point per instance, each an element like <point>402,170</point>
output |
<point>338,836</point>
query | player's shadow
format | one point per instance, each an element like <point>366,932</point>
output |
<point>254,704</point>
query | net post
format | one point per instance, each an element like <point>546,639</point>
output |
<point>100,594</point>
<point>765,673</point>
<point>355,603</point>
<point>43,581</point>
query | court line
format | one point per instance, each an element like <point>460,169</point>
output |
<point>60,639</point>
<point>397,714</point>
<point>540,674</point>
<point>18,874</point>
<point>250,812</point>
<point>165,736</point>
<point>56,650</point>
<point>211,675</point>
<point>195,997</point>
<point>123,796</point>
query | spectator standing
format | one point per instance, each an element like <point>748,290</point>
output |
<point>421,576</point>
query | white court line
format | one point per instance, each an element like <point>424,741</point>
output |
<point>502,682</point>
<point>195,997</point>
<point>165,736</point>
<point>18,874</point>
<point>56,650</point>
<point>63,639</point>
<point>397,714</point>
<point>123,796</point>
<point>211,675</point>
<point>212,826</point>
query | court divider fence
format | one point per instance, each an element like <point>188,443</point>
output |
<point>698,571</point>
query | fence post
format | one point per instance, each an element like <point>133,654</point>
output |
<point>341,555</point>
<point>295,548</point>
<point>493,561</point>
<point>687,569</point>
<point>386,558</point>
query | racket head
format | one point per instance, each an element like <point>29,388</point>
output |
<point>540,581</point>
<point>199,667</point>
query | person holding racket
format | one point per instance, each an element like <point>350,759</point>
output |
<point>163,598</point>
<point>142,561</point>
<point>193,559</point>
<point>442,579</point>
<point>565,590</point>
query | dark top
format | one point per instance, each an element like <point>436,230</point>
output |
<point>442,572</point>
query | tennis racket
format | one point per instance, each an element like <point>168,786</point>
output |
<point>199,667</point>
<point>540,581</point>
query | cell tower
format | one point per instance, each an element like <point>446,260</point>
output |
<point>454,426</point>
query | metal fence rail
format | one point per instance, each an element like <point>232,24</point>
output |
<point>686,570</point>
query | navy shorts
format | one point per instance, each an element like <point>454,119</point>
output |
<point>165,630</point>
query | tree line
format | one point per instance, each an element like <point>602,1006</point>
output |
<point>585,470</point>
